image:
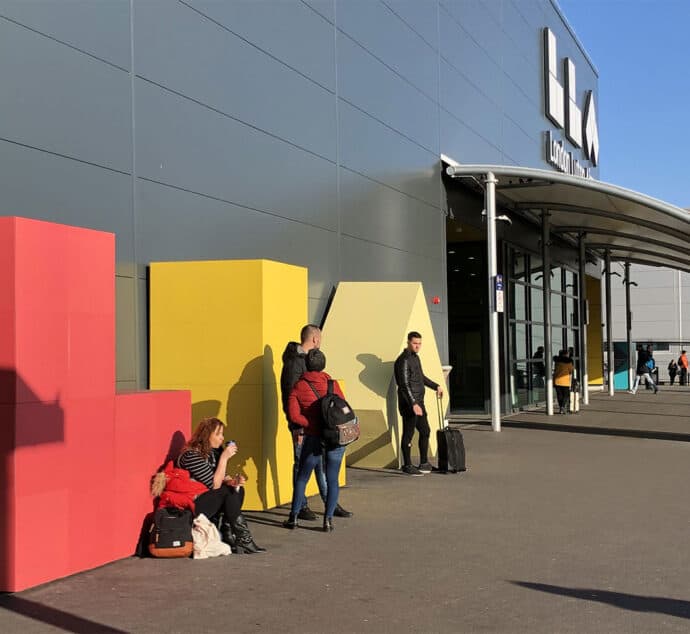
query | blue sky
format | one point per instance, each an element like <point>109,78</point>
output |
<point>641,49</point>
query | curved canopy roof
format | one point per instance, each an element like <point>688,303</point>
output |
<point>633,227</point>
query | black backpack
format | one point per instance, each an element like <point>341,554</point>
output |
<point>171,533</point>
<point>340,426</point>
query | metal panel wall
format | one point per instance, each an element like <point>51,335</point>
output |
<point>302,131</point>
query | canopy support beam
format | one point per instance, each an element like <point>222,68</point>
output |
<point>582,308</point>
<point>546,295</point>
<point>494,376</point>
<point>609,325</point>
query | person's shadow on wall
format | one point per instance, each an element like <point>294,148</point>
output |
<point>377,375</point>
<point>252,418</point>
<point>204,409</point>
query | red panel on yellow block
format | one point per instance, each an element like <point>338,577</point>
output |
<point>69,446</point>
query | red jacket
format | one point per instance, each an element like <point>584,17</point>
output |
<point>180,490</point>
<point>302,406</point>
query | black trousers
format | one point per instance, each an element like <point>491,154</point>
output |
<point>421,424</point>
<point>563,396</point>
<point>224,499</point>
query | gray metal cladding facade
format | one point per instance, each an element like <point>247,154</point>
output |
<point>307,132</point>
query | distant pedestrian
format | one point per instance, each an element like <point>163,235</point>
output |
<point>672,371</point>
<point>683,368</point>
<point>643,370</point>
<point>651,364</point>
<point>562,378</point>
<point>538,366</point>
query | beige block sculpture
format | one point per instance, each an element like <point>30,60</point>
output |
<point>366,329</point>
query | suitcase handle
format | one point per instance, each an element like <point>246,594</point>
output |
<point>439,404</point>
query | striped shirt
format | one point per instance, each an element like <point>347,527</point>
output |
<point>200,469</point>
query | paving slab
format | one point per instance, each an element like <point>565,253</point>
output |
<point>546,532</point>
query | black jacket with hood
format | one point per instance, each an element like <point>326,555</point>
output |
<point>294,366</point>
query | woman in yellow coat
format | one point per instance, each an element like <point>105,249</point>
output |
<point>562,377</point>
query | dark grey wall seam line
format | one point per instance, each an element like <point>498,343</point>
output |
<point>392,248</point>
<point>516,6</point>
<point>321,15</point>
<point>464,125</point>
<point>529,98</point>
<point>65,156</point>
<point>395,189</point>
<point>338,180</point>
<point>253,45</point>
<point>236,119</point>
<point>388,66</point>
<point>487,13</point>
<point>138,310</point>
<point>390,127</point>
<point>63,43</point>
<point>409,26</point>
<point>471,82</point>
<point>469,35</point>
<point>273,214</point>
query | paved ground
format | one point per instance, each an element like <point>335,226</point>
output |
<point>547,532</point>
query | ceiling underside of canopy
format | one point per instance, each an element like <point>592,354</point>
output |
<point>631,226</point>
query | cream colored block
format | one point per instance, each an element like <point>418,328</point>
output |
<point>366,329</point>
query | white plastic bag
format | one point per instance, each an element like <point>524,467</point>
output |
<point>207,542</point>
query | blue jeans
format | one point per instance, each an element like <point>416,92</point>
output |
<point>318,469</point>
<point>312,455</point>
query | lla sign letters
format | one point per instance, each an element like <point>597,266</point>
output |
<point>580,125</point>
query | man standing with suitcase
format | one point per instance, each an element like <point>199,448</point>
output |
<point>411,383</point>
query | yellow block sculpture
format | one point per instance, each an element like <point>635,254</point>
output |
<point>219,328</point>
<point>365,330</point>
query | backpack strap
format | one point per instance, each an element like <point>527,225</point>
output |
<point>330,387</point>
<point>313,389</point>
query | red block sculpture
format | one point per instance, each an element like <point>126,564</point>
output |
<point>75,458</point>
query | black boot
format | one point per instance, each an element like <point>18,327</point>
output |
<point>327,524</point>
<point>243,537</point>
<point>291,522</point>
<point>228,536</point>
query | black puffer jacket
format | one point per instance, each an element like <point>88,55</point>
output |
<point>411,381</point>
<point>642,358</point>
<point>294,366</point>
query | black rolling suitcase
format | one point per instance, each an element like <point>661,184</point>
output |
<point>451,447</point>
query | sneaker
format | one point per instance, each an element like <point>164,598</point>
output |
<point>411,470</point>
<point>306,514</point>
<point>426,467</point>
<point>341,512</point>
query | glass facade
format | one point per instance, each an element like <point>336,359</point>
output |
<point>527,364</point>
